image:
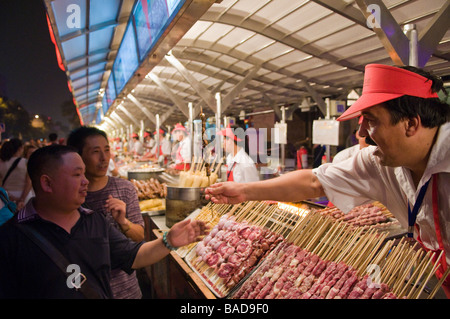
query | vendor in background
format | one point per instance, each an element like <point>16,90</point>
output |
<point>410,127</point>
<point>352,150</point>
<point>183,152</point>
<point>136,148</point>
<point>149,141</point>
<point>117,144</point>
<point>164,148</point>
<point>240,166</point>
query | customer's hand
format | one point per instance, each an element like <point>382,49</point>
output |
<point>185,232</point>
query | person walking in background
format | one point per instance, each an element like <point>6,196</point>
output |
<point>13,172</point>
<point>52,138</point>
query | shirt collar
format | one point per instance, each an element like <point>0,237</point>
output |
<point>440,153</point>
<point>29,213</point>
<point>437,163</point>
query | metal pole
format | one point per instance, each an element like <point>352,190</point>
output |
<point>283,146</point>
<point>191,128</point>
<point>411,33</point>
<point>327,147</point>
<point>157,137</point>
<point>219,111</point>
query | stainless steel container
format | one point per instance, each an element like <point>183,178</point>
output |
<point>144,174</point>
<point>180,202</point>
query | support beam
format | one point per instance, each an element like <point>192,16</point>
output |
<point>175,99</point>
<point>110,122</point>
<point>201,90</point>
<point>316,97</point>
<point>118,118</point>
<point>228,99</point>
<point>273,106</point>
<point>430,37</point>
<point>127,113</point>
<point>142,107</point>
<point>387,29</point>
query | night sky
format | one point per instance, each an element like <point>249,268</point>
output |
<point>29,71</point>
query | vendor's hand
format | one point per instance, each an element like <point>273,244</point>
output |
<point>225,193</point>
<point>185,232</point>
<point>117,208</point>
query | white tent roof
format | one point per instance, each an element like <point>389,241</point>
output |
<point>263,54</point>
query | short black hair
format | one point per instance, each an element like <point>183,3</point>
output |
<point>10,148</point>
<point>78,136</point>
<point>52,137</point>
<point>46,159</point>
<point>432,111</point>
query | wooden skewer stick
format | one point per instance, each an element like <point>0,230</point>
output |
<point>409,285</point>
<point>425,281</point>
<point>416,285</point>
<point>439,284</point>
<point>401,279</point>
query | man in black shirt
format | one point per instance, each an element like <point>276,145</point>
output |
<point>84,237</point>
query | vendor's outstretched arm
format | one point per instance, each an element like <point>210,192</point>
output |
<point>294,186</point>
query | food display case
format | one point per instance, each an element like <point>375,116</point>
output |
<point>297,250</point>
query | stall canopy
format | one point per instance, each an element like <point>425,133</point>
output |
<point>258,54</point>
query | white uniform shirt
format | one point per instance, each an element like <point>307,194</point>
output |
<point>347,153</point>
<point>362,179</point>
<point>185,151</point>
<point>166,148</point>
<point>137,148</point>
<point>244,170</point>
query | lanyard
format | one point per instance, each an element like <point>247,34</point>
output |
<point>412,214</point>
<point>440,271</point>
<point>231,169</point>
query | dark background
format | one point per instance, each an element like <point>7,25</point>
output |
<point>29,71</point>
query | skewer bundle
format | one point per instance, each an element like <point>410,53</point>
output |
<point>197,175</point>
<point>325,259</point>
<point>240,239</point>
<point>368,216</point>
<point>210,214</point>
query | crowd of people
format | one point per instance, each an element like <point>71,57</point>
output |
<point>92,218</point>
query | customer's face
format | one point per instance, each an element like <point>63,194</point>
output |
<point>390,139</point>
<point>69,183</point>
<point>96,155</point>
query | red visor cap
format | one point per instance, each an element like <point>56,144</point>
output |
<point>160,132</point>
<point>383,83</point>
<point>228,132</point>
<point>179,127</point>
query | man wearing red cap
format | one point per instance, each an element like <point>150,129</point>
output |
<point>408,170</point>
<point>183,152</point>
<point>149,141</point>
<point>137,148</point>
<point>164,148</point>
<point>240,166</point>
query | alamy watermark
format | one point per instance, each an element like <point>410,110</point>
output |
<point>76,277</point>
<point>260,146</point>
<point>374,279</point>
<point>73,21</point>
<point>374,20</point>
